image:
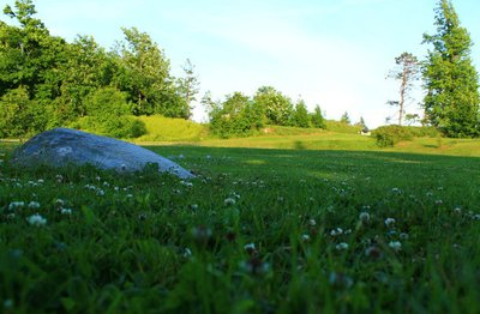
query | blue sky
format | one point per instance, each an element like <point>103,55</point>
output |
<point>335,53</point>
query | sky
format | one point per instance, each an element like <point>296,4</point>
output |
<point>334,53</point>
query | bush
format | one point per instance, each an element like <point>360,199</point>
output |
<point>388,136</point>
<point>117,127</point>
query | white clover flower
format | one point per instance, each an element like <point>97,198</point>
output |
<point>229,202</point>
<point>116,189</point>
<point>396,190</point>
<point>389,222</point>
<point>100,193</point>
<point>37,220</point>
<point>194,206</point>
<point>187,253</point>
<point>395,245</point>
<point>439,202</point>
<point>66,211</point>
<point>249,246</point>
<point>457,210</point>
<point>129,196</point>
<point>364,216</point>
<point>40,181</point>
<point>16,204</point>
<point>404,236</point>
<point>305,237</point>
<point>59,202</point>
<point>342,246</point>
<point>312,222</point>
<point>34,205</point>
<point>336,232</point>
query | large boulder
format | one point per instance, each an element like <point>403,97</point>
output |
<point>61,147</point>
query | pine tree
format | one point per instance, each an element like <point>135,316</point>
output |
<point>451,81</point>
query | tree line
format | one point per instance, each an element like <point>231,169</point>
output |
<point>46,82</point>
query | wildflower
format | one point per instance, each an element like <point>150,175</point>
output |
<point>336,232</point>
<point>389,222</point>
<point>404,236</point>
<point>373,252</point>
<point>59,178</point>
<point>396,191</point>
<point>255,265</point>
<point>66,211</point>
<point>37,220</point>
<point>129,196</point>
<point>249,246</point>
<point>40,181</point>
<point>116,189</point>
<point>34,205</point>
<point>342,246</point>
<point>439,202</point>
<point>364,216</point>
<point>100,193</point>
<point>16,204</point>
<point>312,222</point>
<point>340,280</point>
<point>187,253</point>
<point>229,202</point>
<point>395,245</point>
<point>194,207</point>
<point>106,184</point>
<point>429,194</point>
<point>305,237</point>
<point>457,210</point>
<point>59,202</point>
<point>201,233</point>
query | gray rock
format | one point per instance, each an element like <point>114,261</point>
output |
<point>60,147</point>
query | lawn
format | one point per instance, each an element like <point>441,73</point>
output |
<point>274,224</point>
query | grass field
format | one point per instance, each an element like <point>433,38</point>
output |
<point>318,223</point>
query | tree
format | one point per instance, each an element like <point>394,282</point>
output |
<point>345,118</point>
<point>451,81</point>
<point>277,108</point>
<point>407,72</point>
<point>300,115</point>
<point>145,71</point>
<point>317,119</point>
<point>188,86</point>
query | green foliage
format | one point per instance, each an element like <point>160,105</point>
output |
<point>277,108</point>
<point>236,116</point>
<point>19,116</point>
<point>107,102</point>
<point>388,136</point>
<point>317,119</point>
<point>300,116</point>
<point>65,82</point>
<point>452,102</point>
<point>345,118</point>
<point>116,127</point>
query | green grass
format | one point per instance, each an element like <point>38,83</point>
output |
<point>149,243</point>
<point>168,129</point>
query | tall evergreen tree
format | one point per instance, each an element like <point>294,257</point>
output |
<point>451,81</point>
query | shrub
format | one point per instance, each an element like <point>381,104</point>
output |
<point>388,136</point>
<point>116,127</point>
